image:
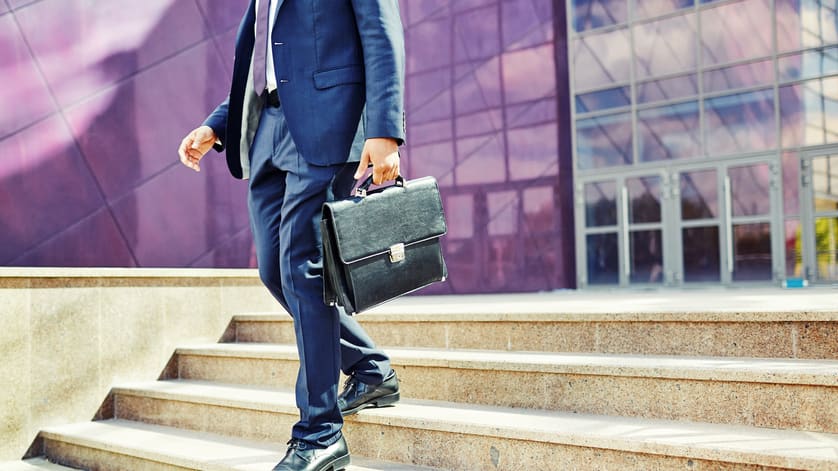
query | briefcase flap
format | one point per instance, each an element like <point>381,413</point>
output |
<point>368,226</point>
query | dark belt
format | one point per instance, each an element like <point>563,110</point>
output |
<point>272,99</point>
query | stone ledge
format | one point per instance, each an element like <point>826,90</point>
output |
<point>49,272</point>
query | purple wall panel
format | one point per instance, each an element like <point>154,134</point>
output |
<point>89,169</point>
<point>45,186</point>
<point>29,97</point>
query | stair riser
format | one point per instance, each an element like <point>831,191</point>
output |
<point>729,339</point>
<point>727,402</point>
<point>91,459</point>
<point>446,450</point>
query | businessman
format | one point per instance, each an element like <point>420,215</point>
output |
<point>317,96</point>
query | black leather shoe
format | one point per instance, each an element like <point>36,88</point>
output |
<point>302,456</point>
<point>357,395</point>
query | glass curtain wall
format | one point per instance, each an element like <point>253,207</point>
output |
<point>686,89</point>
<point>482,118</point>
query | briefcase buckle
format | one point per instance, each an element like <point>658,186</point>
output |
<point>396,253</point>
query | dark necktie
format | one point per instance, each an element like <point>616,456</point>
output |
<point>260,55</point>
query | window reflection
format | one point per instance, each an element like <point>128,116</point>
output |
<point>739,76</point>
<point>701,253</point>
<point>665,46</point>
<point>669,132</point>
<point>791,184</point>
<point>740,123</point>
<point>602,259</point>
<point>646,257</point>
<point>750,190</point>
<point>591,14</point>
<point>794,249</point>
<point>826,248</point>
<point>604,141</point>
<point>699,195</point>
<point>603,99</point>
<point>459,211</point>
<point>805,23</point>
<point>645,199</point>
<point>503,212</point>
<point>650,8</point>
<point>809,64</point>
<point>601,59</point>
<point>539,209</point>
<point>667,89</point>
<point>736,31</point>
<point>809,112</point>
<point>752,252</point>
<point>601,204</point>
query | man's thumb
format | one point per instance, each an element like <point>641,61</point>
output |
<point>362,166</point>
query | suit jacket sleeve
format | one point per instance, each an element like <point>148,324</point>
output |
<point>382,39</point>
<point>217,120</point>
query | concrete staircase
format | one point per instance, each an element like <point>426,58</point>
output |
<point>696,381</point>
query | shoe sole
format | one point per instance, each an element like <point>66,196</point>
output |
<point>383,401</point>
<point>339,464</point>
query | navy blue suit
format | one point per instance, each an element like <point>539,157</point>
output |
<point>340,75</point>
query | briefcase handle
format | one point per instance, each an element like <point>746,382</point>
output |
<point>364,187</point>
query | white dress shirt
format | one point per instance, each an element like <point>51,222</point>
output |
<point>270,73</point>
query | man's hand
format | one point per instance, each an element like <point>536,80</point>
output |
<point>195,145</point>
<point>383,152</point>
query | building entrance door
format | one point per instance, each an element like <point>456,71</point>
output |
<point>726,223</point>
<point>819,215</point>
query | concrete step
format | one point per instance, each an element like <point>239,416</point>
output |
<point>555,326</point>
<point>121,444</point>
<point>34,464</point>
<point>464,437</point>
<point>776,393</point>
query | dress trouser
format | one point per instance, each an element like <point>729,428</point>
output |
<point>285,199</point>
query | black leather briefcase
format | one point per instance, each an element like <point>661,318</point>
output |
<point>382,244</point>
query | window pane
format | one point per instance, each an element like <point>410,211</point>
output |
<point>826,246</point>
<point>794,249</point>
<point>809,112</point>
<point>604,141</point>
<point>590,14</point>
<point>459,212</point>
<point>667,89</point>
<point>750,190</point>
<point>669,132</point>
<point>603,99</point>
<point>526,23</point>
<point>646,257</point>
<point>740,123</point>
<point>825,183</point>
<point>533,152</point>
<point>810,64</point>
<point>601,204</point>
<point>650,8</point>
<point>752,252</point>
<point>739,76</point>
<point>476,34</point>
<point>503,212</point>
<point>645,199</point>
<point>699,195</point>
<point>665,46</point>
<point>529,74</point>
<point>736,31</point>
<point>701,253</point>
<point>539,209</point>
<point>601,59</point>
<point>805,23</point>
<point>603,259</point>
<point>480,160</point>
<point>477,85</point>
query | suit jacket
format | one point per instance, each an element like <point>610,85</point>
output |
<point>340,76</point>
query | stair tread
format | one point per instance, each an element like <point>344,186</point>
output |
<point>744,305</point>
<point>690,439</point>
<point>34,464</point>
<point>783,371</point>
<point>197,450</point>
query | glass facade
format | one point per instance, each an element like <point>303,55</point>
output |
<point>720,113</point>
<point>577,143</point>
